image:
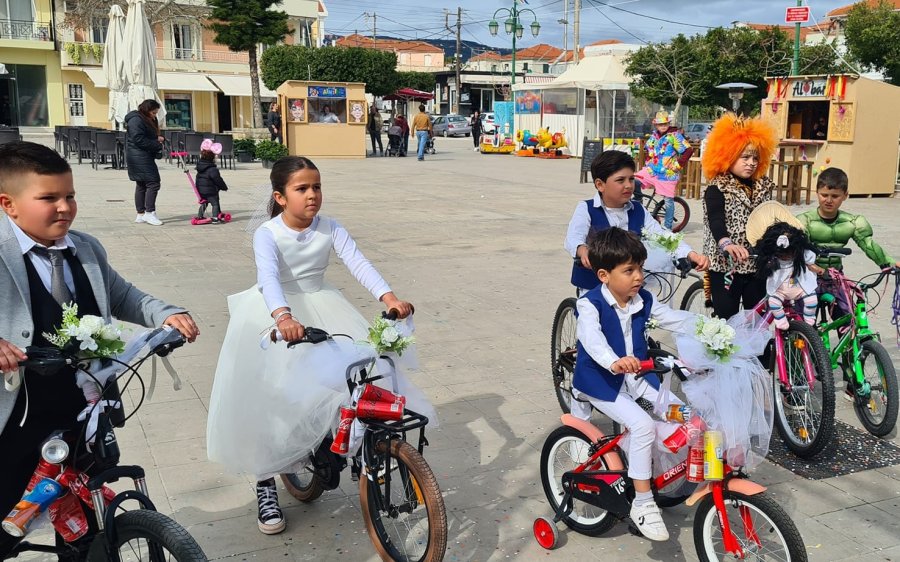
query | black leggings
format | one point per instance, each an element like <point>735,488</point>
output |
<point>746,289</point>
<point>211,200</point>
<point>145,193</point>
<point>376,136</point>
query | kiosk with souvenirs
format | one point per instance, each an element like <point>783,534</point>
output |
<point>844,121</point>
<point>324,119</point>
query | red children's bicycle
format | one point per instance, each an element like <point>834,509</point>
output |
<point>585,478</point>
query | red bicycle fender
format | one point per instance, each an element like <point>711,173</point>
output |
<point>739,485</point>
<point>592,432</point>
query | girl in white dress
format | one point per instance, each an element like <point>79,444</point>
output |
<point>265,418</point>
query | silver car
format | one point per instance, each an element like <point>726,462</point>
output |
<point>451,125</point>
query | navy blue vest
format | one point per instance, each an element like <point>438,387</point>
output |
<point>583,277</point>
<point>592,379</point>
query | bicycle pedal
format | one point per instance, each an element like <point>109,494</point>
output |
<point>632,528</point>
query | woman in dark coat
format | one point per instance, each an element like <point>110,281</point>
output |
<point>476,129</point>
<point>143,147</point>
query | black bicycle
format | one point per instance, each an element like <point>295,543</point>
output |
<point>656,206</point>
<point>86,463</point>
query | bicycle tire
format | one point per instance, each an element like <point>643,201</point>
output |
<point>159,531</point>
<point>779,525</point>
<point>305,492</point>
<point>889,394</point>
<point>803,446</point>
<point>682,213</point>
<point>418,479</point>
<point>693,295</point>
<point>604,520</point>
<point>562,338</point>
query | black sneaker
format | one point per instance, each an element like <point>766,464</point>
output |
<point>271,519</point>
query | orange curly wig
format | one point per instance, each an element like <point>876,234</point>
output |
<point>728,138</point>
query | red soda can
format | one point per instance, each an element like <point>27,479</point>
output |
<point>379,410</point>
<point>44,470</point>
<point>341,443</point>
<point>68,518</point>
<point>77,482</point>
<point>695,464</point>
<point>685,431</point>
<point>378,394</point>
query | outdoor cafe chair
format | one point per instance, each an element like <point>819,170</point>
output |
<point>192,142</point>
<point>227,142</point>
<point>85,143</point>
<point>105,144</point>
<point>9,136</point>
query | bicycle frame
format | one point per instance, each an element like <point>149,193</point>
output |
<point>762,309</point>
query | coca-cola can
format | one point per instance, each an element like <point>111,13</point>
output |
<point>685,432</point>
<point>372,409</point>
<point>378,394</point>
<point>68,518</point>
<point>77,483</point>
<point>695,464</point>
<point>44,470</point>
<point>341,443</point>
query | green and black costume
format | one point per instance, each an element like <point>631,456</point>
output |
<point>837,232</point>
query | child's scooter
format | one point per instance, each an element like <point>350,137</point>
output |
<point>201,217</point>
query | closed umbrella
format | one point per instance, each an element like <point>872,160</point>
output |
<point>114,65</point>
<point>140,58</point>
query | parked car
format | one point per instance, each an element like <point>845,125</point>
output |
<point>697,131</point>
<point>488,125</point>
<point>451,125</point>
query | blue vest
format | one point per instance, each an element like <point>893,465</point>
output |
<point>592,379</point>
<point>583,277</point>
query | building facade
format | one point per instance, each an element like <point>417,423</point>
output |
<point>417,56</point>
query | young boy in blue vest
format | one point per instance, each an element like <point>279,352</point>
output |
<point>613,174</point>
<point>611,323</point>
<point>42,266</point>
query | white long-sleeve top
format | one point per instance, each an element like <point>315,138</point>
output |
<point>580,225</point>
<point>591,336</point>
<point>267,253</point>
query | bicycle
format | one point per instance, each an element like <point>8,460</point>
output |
<point>656,206</point>
<point>843,310</point>
<point>395,481</point>
<point>563,337</point>
<point>585,479</point>
<point>86,460</point>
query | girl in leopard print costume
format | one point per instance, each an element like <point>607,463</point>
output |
<point>735,161</point>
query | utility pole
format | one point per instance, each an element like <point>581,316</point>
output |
<point>577,30</point>
<point>457,63</point>
<point>795,67</point>
<point>374,17</point>
<point>565,22</point>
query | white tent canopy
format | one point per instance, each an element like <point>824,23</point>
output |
<point>601,72</point>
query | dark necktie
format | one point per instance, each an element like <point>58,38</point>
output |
<point>58,288</point>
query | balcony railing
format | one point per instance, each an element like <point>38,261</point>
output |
<point>26,30</point>
<point>175,53</point>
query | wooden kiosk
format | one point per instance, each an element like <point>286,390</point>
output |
<point>843,121</point>
<point>324,119</point>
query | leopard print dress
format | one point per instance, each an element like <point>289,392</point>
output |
<point>739,201</point>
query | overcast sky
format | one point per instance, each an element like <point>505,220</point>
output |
<point>409,19</point>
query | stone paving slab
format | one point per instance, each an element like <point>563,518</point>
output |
<point>475,241</point>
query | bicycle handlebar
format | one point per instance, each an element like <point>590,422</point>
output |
<point>833,252</point>
<point>884,273</point>
<point>656,366</point>
<point>49,360</point>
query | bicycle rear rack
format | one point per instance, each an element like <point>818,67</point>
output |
<point>410,421</point>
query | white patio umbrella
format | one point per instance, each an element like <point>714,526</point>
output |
<point>114,65</point>
<point>140,58</point>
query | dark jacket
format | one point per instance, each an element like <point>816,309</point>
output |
<point>273,119</point>
<point>141,149</point>
<point>209,180</point>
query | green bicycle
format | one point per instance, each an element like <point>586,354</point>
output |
<point>865,363</point>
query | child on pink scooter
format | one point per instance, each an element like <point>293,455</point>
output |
<point>209,183</point>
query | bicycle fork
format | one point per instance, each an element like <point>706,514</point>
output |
<point>781,364</point>
<point>729,541</point>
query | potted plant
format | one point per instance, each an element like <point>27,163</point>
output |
<point>269,151</point>
<point>244,149</point>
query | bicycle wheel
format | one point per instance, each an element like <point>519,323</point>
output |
<point>149,535</point>
<point>804,415</point>
<point>303,485</point>
<point>565,449</point>
<point>757,516</point>
<point>562,352</point>
<point>680,218</point>
<point>879,414</point>
<point>410,524</point>
<point>694,299</point>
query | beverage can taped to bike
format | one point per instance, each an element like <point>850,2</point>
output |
<point>68,518</point>
<point>341,443</point>
<point>378,394</point>
<point>31,506</point>
<point>695,464</point>
<point>77,482</point>
<point>44,470</point>
<point>678,413</point>
<point>713,462</point>
<point>379,410</point>
<point>685,432</point>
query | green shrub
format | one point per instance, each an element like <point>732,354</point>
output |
<point>245,145</point>
<point>270,150</point>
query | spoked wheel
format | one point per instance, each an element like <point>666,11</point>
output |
<point>562,352</point>
<point>144,535</point>
<point>404,513</point>
<point>762,529</point>
<point>680,218</point>
<point>878,414</point>
<point>564,450</point>
<point>303,485</point>
<point>694,299</point>
<point>804,414</point>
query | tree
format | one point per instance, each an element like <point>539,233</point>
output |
<point>82,13</point>
<point>423,81</point>
<point>241,25</point>
<point>667,73</point>
<point>872,36</point>
<point>377,69</point>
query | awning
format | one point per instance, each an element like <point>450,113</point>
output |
<point>485,79</point>
<point>97,76</point>
<point>407,94</point>
<point>602,72</point>
<point>184,81</point>
<point>238,85</point>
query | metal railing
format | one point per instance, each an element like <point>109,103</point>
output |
<point>26,30</point>
<point>175,53</point>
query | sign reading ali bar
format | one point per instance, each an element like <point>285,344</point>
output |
<point>809,89</point>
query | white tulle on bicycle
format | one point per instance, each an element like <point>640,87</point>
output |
<point>733,395</point>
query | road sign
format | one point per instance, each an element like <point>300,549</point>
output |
<point>799,14</point>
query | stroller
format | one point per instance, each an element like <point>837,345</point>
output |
<point>394,136</point>
<point>429,145</point>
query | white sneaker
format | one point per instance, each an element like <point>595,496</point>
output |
<point>648,519</point>
<point>139,218</point>
<point>476,149</point>
<point>151,218</point>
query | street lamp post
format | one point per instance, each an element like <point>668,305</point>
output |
<point>514,27</point>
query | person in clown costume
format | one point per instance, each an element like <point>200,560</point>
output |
<point>667,154</point>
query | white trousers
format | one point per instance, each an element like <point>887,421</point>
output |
<point>626,411</point>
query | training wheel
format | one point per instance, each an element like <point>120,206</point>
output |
<point>225,217</point>
<point>545,532</point>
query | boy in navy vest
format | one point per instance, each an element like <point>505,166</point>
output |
<point>42,266</point>
<point>611,321</point>
<point>613,174</point>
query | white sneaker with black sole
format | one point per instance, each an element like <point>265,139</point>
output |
<point>270,519</point>
<point>648,520</point>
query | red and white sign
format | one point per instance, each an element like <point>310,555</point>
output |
<point>799,14</point>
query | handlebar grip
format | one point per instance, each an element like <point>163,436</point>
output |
<point>647,365</point>
<point>825,252</point>
<point>393,313</point>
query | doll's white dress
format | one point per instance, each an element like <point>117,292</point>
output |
<point>270,407</point>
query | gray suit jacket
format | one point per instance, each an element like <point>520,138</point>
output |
<point>116,297</point>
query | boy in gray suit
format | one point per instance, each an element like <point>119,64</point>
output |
<point>42,266</point>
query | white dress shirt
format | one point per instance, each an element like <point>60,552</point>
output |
<point>580,225</point>
<point>42,263</point>
<point>591,337</point>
